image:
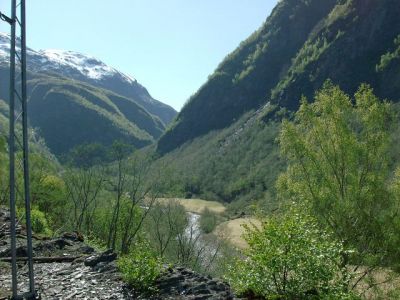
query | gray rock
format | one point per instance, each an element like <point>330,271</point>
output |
<point>107,256</point>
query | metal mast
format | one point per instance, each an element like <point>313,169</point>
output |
<point>18,144</point>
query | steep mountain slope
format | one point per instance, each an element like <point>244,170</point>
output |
<point>69,106</point>
<point>68,115</point>
<point>238,164</point>
<point>301,44</point>
<point>90,70</point>
<point>347,47</point>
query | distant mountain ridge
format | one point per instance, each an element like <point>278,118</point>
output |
<point>76,99</point>
<point>86,68</point>
<point>301,44</point>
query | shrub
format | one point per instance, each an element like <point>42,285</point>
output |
<point>140,268</point>
<point>39,222</point>
<point>208,221</point>
<point>290,258</point>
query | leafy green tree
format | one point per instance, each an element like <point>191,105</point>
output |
<point>290,258</point>
<point>48,195</point>
<point>337,149</point>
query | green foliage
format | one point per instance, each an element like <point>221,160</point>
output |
<point>290,258</point>
<point>73,105</point>
<point>87,155</point>
<point>48,191</point>
<point>239,164</point>
<point>244,80</point>
<point>39,222</point>
<point>208,221</point>
<point>140,268</point>
<point>301,44</point>
<point>338,166</point>
<point>163,224</point>
<point>389,57</point>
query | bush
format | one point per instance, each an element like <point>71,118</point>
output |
<point>208,221</point>
<point>290,258</point>
<point>39,222</point>
<point>140,268</point>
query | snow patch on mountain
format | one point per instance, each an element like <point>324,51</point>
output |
<point>59,60</point>
<point>86,64</point>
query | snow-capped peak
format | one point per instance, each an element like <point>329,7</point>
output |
<point>85,64</point>
<point>68,62</point>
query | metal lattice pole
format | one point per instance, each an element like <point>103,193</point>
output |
<point>26,147</point>
<point>18,91</point>
<point>12,151</point>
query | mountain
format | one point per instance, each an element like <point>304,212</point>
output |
<point>222,145</point>
<point>76,99</point>
<point>301,44</point>
<point>90,70</point>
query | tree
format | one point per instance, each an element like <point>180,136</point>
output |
<point>83,187</point>
<point>165,222</point>
<point>119,153</point>
<point>337,151</point>
<point>144,187</point>
<point>289,257</point>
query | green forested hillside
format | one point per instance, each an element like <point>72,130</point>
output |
<point>69,113</point>
<point>349,46</point>
<point>238,165</point>
<point>302,43</point>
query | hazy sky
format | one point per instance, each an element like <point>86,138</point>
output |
<point>169,46</point>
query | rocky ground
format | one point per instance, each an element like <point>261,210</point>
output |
<point>82,273</point>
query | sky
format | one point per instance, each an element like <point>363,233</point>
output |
<point>169,46</point>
